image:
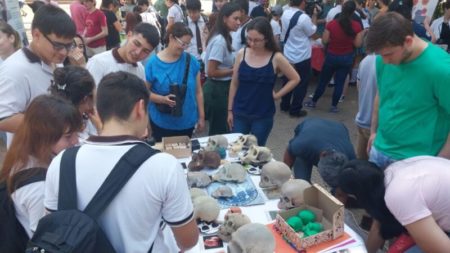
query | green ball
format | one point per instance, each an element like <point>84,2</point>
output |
<point>306,216</point>
<point>316,226</point>
<point>295,223</point>
<point>308,232</point>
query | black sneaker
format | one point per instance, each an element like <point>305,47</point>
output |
<point>299,114</point>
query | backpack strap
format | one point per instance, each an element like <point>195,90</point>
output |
<point>67,196</point>
<point>21,178</point>
<point>118,177</point>
<point>292,23</point>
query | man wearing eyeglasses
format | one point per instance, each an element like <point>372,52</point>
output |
<point>140,43</point>
<point>28,72</point>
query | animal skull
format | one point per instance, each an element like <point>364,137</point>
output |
<point>232,222</point>
<point>231,172</point>
<point>222,192</point>
<point>292,193</point>
<point>252,238</point>
<point>206,208</point>
<point>204,159</point>
<point>216,142</point>
<point>244,142</point>
<point>198,179</point>
<point>257,156</point>
<point>274,174</point>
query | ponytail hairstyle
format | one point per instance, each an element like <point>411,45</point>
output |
<point>220,27</point>
<point>345,18</point>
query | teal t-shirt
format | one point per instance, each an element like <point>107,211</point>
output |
<point>414,106</point>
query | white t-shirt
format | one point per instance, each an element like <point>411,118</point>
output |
<point>157,192</point>
<point>192,49</point>
<point>275,27</point>
<point>298,46</point>
<point>107,62</point>
<point>236,37</point>
<point>176,13</point>
<point>333,12</point>
<point>23,76</point>
<point>417,188</point>
<point>217,51</point>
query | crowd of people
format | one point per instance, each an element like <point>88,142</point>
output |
<point>108,79</point>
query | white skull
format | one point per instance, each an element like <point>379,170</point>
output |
<point>292,193</point>
<point>215,142</point>
<point>232,222</point>
<point>252,238</point>
<point>244,142</point>
<point>222,192</point>
<point>198,179</point>
<point>257,155</point>
<point>274,174</point>
<point>197,192</point>
<point>231,172</point>
<point>206,208</point>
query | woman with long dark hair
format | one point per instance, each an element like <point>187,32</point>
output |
<point>251,101</point>
<point>50,125</point>
<point>341,36</point>
<point>77,56</point>
<point>176,99</point>
<point>219,59</point>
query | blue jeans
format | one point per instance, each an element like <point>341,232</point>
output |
<point>339,66</point>
<point>297,95</point>
<point>258,127</point>
<point>380,159</point>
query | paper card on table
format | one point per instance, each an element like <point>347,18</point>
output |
<point>283,247</point>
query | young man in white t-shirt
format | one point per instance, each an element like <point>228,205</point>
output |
<point>175,13</point>
<point>157,192</point>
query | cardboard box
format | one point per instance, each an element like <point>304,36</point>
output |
<point>178,146</point>
<point>329,211</point>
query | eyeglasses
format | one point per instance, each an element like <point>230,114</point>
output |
<point>60,46</point>
<point>250,40</point>
<point>182,43</point>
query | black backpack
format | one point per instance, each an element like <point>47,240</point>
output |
<point>72,230</point>
<point>13,236</point>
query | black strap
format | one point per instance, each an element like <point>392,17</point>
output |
<point>292,23</point>
<point>186,69</point>
<point>67,197</point>
<point>114,182</point>
<point>28,176</point>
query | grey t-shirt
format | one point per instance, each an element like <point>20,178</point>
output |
<point>217,51</point>
<point>367,78</point>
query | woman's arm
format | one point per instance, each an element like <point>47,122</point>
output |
<point>118,26</point>
<point>200,106</point>
<point>283,66</point>
<point>325,37</point>
<point>359,38</point>
<point>233,88</point>
<point>214,71</point>
<point>428,235</point>
<point>374,241</point>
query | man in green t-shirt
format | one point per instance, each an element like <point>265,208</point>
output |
<point>411,115</point>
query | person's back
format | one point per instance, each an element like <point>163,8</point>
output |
<point>156,193</point>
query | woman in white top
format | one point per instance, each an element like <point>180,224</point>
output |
<point>9,40</point>
<point>175,13</point>
<point>50,125</point>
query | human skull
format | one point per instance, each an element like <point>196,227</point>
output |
<point>204,159</point>
<point>329,166</point>
<point>232,222</point>
<point>222,192</point>
<point>198,179</point>
<point>244,142</point>
<point>197,192</point>
<point>257,156</point>
<point>231,172</point>
<point>274,174</point>
<point>216,142</point>
<point>206,208</point>
<point>292,193</point>
<point>252,238</point>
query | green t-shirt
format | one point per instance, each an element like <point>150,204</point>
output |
<point>414,105</point>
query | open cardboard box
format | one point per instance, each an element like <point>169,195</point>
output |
<point>178,146</point>
<point>329,211</point>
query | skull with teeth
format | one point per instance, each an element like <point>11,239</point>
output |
<point>204,159</point>
<point>252,238</point>
<point>232,222</point>
<point>244,143</point>
<point>206,208</point>
<point>257,156</point>
<point>292,193</point>
<point>198,179</point>
<point>231,172</point>
<point>216,142</point>
<point>274,174</point>
<point>222,192</point>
